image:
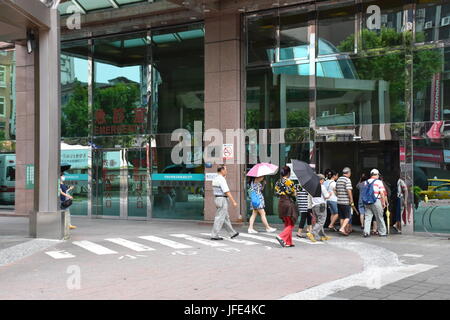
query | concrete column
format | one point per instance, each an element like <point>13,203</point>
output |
<point>25,128</point>
<point>223,98</point>
<point>46,221</point>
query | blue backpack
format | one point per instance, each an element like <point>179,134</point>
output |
<point>368,194</point>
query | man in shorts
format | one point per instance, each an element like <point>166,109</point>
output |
<point>344,199</point>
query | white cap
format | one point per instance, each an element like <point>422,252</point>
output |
<point>374,172</point>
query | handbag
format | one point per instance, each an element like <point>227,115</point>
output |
<point>66,203</point>
<point>254,198</point>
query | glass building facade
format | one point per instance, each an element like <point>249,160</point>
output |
<point>122,96</point>
<point>363,84</point>
<point>355,83</point>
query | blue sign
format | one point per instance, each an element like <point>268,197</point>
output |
<point>76,177</point>
<point>178,177</point>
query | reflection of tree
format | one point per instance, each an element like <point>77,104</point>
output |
<point>298,118</point>
<point>392,67</point>
<point>120,96</point>
<point>75,115</point>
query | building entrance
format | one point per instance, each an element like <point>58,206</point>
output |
<point>362,157</point>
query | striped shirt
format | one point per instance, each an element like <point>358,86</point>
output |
<point>302,199</point>
<point>342,185</point>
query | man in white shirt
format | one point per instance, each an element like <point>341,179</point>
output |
<point>319,209</point>
<point>221,195</point>
<point>376,209</point>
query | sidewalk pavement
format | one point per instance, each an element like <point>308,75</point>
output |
<point>396,267</point>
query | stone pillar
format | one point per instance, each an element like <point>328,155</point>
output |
<point>223,97</point>
<point>25,128</point>
<point>46,221</point>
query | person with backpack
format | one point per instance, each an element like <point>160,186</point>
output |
<point>257,204</point>
<point>374,200</point>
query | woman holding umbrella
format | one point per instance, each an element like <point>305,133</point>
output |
<point>257,206</point>
<point>285,189</point>
<point>257,183</point>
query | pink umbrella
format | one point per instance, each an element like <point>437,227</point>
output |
<point>262,169</point>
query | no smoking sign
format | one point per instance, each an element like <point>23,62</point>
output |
<point>228,151</point>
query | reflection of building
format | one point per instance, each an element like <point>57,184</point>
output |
<point>7,95</point>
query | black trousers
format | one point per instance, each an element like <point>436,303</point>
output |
<point>305,217</point>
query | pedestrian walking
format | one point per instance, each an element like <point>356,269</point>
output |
<point>374,200</point>
<point>285,190</point>
<point>402,198</point>
<point>302,206</point>
<point>319,209</point>
<point>221,195</point>
<point>257,204</point>
<point>65,198</point>
<point>344,199</point>
<point>361,208</point>
<point>332,205</point>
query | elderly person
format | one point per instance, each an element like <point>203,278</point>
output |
<point>319,208</point>
<point>376,208</point>
<point>285,190</point>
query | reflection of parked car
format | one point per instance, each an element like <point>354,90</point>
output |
<point>439,192</point>
<point>432,183</point>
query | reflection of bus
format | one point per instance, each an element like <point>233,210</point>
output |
<point>7,178</point>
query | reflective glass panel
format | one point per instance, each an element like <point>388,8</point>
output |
<point>432,21</point>
<point>365,90</point>
<point>120,89</point>
<point>177,79</point>
<point>431,84</point>
<point>431,184</point>
<point>336,30</point>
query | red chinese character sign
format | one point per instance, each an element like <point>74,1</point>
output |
<point>120,121</point>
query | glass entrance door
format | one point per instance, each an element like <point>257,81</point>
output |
<point>106,183</point>
<point>138,164</point>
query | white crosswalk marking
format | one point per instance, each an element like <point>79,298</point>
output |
<point>60,254</point>
<point>130,244</point>
<point>258,238</point>
<point>245,242</point>
<point>210,243</point>
<point>165,242</point>
<point>93,247</point>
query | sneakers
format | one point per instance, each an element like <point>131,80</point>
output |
<point>366,235</point>
<point>271,230</point>
<point>252,231</point>
<point>325,238</point>
<point>397,229</point>
<point>311,237</point>
<point>281,241</point>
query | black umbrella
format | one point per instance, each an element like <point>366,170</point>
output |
<point>307,177</point>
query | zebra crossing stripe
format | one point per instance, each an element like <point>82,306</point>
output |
<point>205,242</point>
<point>258,238</point>
<point>130,244</point>
<point>306,241</point>
<point>165,242</point>
<point>60,254</point>
<point>245,242</point>
<point>93,247</point>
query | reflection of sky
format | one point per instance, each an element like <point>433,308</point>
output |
<point>105,72</point>
<point>81,69</point>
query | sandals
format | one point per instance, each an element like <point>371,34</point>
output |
<point>333,229</point>
<point>343,233</point>
<point>374,233</point>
